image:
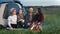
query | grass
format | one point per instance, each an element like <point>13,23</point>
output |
<point>51,26</point>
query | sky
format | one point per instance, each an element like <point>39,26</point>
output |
<point>40,2</point>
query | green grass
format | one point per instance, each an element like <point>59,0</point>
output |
<point>51,26</point>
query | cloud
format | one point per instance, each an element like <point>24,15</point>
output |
<point>40,2</point>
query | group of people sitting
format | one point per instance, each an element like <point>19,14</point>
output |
<point>30,20</point>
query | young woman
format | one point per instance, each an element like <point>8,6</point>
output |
<point>12,19</point>
<point>37,20</point>
<point>21,19</point>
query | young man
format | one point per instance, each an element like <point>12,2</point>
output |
<point>29,17</point>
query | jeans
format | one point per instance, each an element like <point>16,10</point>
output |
<point>22,24</point>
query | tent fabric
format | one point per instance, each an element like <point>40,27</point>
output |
<point>6,1</point>
<point>24,11</point>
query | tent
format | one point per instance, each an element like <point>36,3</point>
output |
<point>9,1</point>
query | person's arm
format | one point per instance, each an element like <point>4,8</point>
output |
<point>9,21</point>
<point>41,19</point>
<point>26,17</point>
<point>34,18</point>
<point>18,18</point>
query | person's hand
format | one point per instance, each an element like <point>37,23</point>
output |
<point>19,20</point>
<point>22,20</point>
<point>29,23</point>
<point>11,27</point>
<point>33,23</point>
<point>38,22</point>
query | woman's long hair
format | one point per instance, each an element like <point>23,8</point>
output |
<point>39,11</point>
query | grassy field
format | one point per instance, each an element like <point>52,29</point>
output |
<point>51,26</point>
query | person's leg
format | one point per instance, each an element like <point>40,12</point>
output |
<point>14,25</point>
<point>33,26</point>
<point>19,24</point>
<point>29,25</point>
<point>40,28</point>
<point>24,25</point>
<point>37,27</point>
